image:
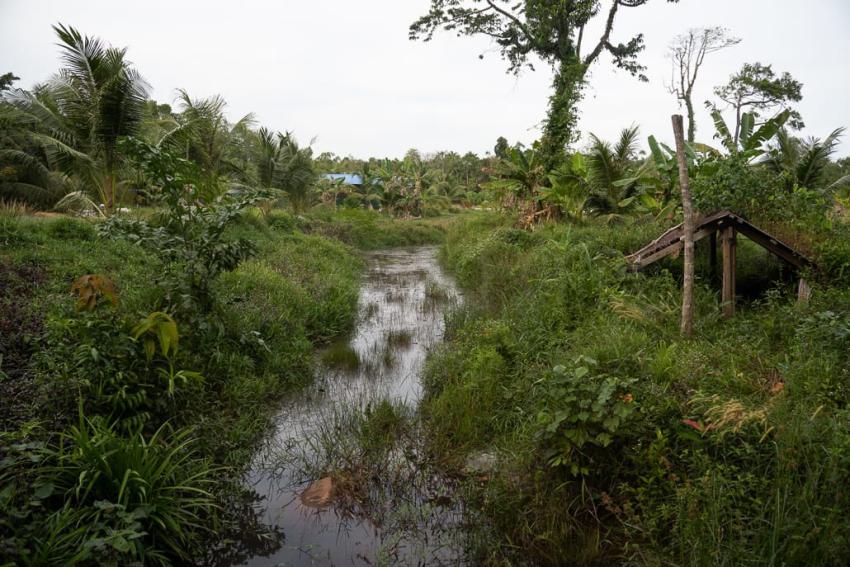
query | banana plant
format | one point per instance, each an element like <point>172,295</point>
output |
<point>752,137</point>
<point>517,178</point>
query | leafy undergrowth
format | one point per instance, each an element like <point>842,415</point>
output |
<point>151,369</point>
<point>620,442</point>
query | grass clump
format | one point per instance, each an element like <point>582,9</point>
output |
<point>341,356</point>
<point>625,443</point>
<point>399,339</point>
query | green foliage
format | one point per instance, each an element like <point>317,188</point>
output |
<point>190,237</point>
<point>117,499</point>
<point>82,111</point>
<point>370,230</point>
<point>583,409</point>
<point>669,451</point>
<point>71,228</point>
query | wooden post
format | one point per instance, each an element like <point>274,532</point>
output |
<point>712,256</point>
<point>687,229</point>
<point>728,243</point>
<point>804,291</point>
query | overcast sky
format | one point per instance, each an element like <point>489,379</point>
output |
<point>344,72</point>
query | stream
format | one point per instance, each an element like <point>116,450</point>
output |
<point>402,511</point>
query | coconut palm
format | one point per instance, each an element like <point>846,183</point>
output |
<point>25,173</point>
<point>517,178</point>
<point>610,173</point>
<point>803,163</point>
<point>82,111</point>
<point>295,173</point>
<point>203,134</point>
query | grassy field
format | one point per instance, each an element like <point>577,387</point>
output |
<point>617,440</point>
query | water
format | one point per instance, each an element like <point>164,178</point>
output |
<point>403,512</point>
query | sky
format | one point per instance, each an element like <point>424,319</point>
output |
<point>345,74</point>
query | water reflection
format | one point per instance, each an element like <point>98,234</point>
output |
<point>402,513</point>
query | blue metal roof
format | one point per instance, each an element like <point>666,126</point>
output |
<point>348,178</point>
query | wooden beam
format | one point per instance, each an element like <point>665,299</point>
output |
<point>729,245</point>
<point>772,245</point>
<point>673,248</point>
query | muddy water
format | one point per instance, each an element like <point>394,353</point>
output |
<point>411,519</point>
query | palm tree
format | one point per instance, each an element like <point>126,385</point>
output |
<point>25,173</point>
<point>803,163</point>
<point>610,173</point>
<point>517,178</point>
<point>295,173</point>
<point>203,134</point>
<point>95,99</point>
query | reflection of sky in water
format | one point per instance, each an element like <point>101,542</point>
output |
<point>393,298</point>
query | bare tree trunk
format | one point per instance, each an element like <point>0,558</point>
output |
<point>692,124</point>
<point>688,229</point>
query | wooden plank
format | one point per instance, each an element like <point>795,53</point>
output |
<point>728,245</point>
<point>654,257</point>
<point>639,262</point>
<point>804,291</point>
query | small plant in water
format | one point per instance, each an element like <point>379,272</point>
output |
<point>435,292</point>
<point>341,357</point>
<point>399,339</point>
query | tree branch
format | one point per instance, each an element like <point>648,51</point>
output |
<point>609,25</point>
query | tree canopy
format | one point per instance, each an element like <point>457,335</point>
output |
<point>551,31</point>
<point>757,89</point>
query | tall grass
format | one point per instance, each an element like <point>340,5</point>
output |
<point>732,439</point>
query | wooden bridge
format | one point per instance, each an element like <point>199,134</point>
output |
<point>726,225</point>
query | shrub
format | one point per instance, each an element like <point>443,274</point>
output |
<point>582,409</point>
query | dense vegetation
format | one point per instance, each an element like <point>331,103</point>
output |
<point>168,274</point>
<point>617,439</point>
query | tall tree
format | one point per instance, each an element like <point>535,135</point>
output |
<point>757,90</point>
<point>500,150</point>
<point>687,53</point>
<point>554,31</point>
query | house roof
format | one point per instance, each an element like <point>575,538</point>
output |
<point>671,241</point>
<point>347,178</point>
